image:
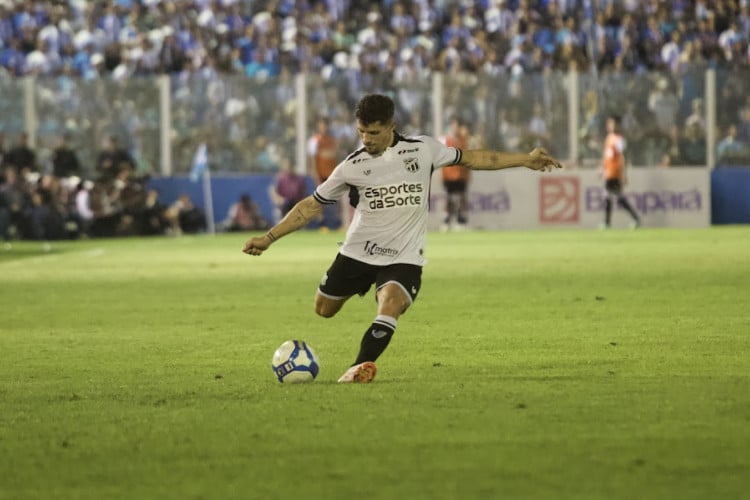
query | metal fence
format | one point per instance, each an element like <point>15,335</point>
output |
<point>252,126</point>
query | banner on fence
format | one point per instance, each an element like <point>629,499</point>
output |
<point>522,199</point>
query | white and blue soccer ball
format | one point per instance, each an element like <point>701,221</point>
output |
<point>294,362</point>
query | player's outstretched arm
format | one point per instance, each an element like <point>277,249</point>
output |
<point>485,159</point>
<point>297,218</point>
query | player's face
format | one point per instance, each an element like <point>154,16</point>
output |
<point>376,136</point>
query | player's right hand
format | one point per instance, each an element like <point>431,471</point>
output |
<point>256,245</point>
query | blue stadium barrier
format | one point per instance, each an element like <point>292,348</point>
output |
<point>730,195</point>
<point>225,191</point>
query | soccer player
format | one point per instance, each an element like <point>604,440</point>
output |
<point>613,165</point>
<point>456,179</point>
<point>385,242</point>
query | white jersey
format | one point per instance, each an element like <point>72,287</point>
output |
<point>390,222</point>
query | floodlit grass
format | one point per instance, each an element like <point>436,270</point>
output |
<point>549,364</point>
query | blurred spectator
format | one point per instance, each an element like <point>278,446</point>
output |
<point>132,196</point>
<point>15,191</point>
<point>673,155</point>
<point>113,158</point>
<point>509,129</point>
<point>184,217</point>
<point>82,213</point>
<point>288,189</point>
<point>266,155</point>
<point>12,205</point>
<point>64,160</point>
<point>4,219</point>
<point>693,145</point>
<point>743,126</point>
<point>663,103</point>
<point>154,215</point>
<point>321,151</point>
<point>2,155</point>
<point>697,115</point>
<point>44,208</point>
<point>633,131</point>
<point>538,134</point>
<point>730,150</point>
<point>244,215</point>
<point>261,68</point>
<point>104,204</point>
<point>21,157</point>
<point>172,57</point>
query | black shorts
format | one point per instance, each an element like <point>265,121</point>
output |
<point>452,187</point>
<point>348,276</point>
<point>613,186</point>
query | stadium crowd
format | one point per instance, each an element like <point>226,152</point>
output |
<point>232,64</point>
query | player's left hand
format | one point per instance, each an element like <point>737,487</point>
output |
<point>541,160</point>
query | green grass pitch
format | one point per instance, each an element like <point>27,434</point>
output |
<point>548,364</point>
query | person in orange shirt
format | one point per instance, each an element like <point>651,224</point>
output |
<point>321,152</point>
<point>613,170</point>
<point>321,149</point>
<point>456,179</point>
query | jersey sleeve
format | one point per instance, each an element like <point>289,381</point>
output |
<point>333,188</point>
<point>441,154</point>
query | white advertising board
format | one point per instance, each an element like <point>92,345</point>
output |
<point>522,199</point>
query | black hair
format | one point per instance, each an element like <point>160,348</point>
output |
<point>374,108</point>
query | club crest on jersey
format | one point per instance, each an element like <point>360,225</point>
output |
<point>411,164</point>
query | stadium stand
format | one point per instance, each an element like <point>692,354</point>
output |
<point>231,66</point>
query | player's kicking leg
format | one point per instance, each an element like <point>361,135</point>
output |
<point>393,300</point>
<point>361,373</point>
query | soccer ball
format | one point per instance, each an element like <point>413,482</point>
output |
<point>294,362</point>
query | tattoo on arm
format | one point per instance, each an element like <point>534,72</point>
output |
<point>298,216</point>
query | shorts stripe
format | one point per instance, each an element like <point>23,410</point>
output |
<point>332,297</point>
<point>411,300</point>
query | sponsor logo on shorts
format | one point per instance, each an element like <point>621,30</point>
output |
<point>372,248</point>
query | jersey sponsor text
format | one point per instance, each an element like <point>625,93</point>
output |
<point>405,194</point>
